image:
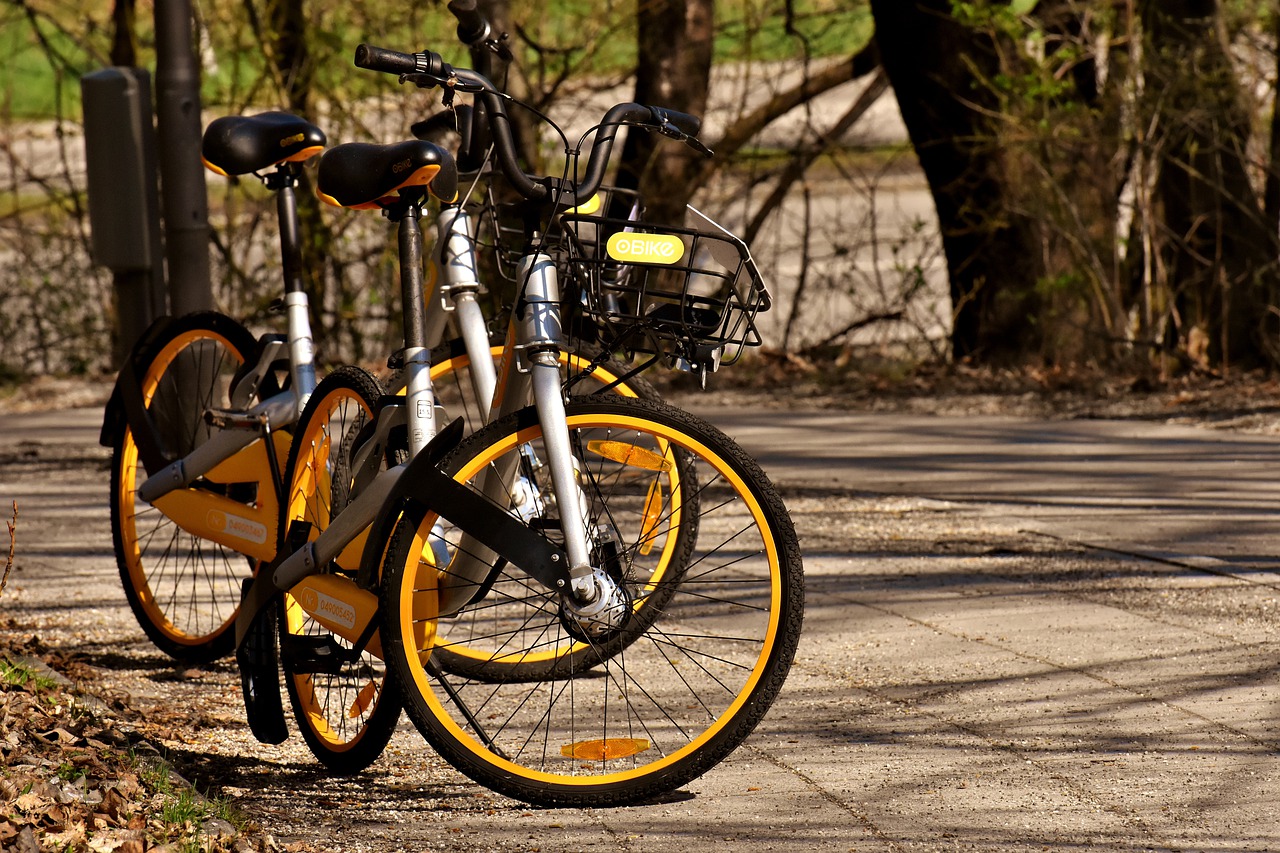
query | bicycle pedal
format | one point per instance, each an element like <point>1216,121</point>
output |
<point>312,655</point>
<point>232,419</point>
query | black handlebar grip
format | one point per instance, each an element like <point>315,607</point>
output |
<point>683,122</point>
<point>395,62</point>
<point>387,61</point>
<point>472,26</point>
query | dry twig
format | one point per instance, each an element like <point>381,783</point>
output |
<point>8,564</point>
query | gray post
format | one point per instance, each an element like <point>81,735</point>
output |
<point>124,208</point>
<point>186,207</point>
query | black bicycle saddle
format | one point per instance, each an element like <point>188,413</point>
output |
<point>367,176</point>
<point>238,145</point>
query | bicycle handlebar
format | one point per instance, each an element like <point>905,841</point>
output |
<point>395,62</point>
<point>472,26</point>
<point>430,69</point>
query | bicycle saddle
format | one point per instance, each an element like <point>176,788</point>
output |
<point>237,145</point>
<point>366,176</point>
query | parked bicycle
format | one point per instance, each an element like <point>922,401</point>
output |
<point>198,425</point>
<point>658,568</point>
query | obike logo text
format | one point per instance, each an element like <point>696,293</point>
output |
<point>401,166</point>
<point>319,604</point>
<point>290,140</point>
<point>645,248</point>
<point>241,528</point>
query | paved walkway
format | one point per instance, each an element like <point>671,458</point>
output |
<point>1021,635</point>
<point>1178,492</point>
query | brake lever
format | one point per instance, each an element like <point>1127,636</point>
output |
<point>696,144</point>
<point>422,81</point>
<point>498,47</point>
<point>670,131</point>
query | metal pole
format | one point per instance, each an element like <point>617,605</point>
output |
<point>186,207</point>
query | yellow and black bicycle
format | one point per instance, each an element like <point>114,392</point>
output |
<point>589,600</point>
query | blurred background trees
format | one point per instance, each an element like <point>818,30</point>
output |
<point>1057,182</point>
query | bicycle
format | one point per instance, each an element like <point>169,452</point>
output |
<point>444,528</point>
<point>197,425</point>
<point>335,681</point>
<point>183,559</point>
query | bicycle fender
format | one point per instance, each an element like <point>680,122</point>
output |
<point>130,409</point>
<point>425,484</point>
<point>114,416</point>
<point>385,522</point>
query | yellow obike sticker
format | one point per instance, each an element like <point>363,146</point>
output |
<point>645,248</point>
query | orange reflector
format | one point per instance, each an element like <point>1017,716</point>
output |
<point>629,454</point>
<point>363,700</point>
<point>603,750</point>
<point>652,509</point>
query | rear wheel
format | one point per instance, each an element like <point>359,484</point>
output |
<point>183,590</point>
<point>658,698</point>
<point>340,698</point>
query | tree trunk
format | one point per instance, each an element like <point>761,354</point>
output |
<point>1218,251</point>
<point>124,35</point>
<point>287,24</point>
<point>938,70</point>
<point>509,78</point>
<point>674,40</point>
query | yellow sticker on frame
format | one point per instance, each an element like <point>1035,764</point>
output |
<point>645,248</point>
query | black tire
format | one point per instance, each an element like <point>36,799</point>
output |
<point>183,590</point>
<point>674,688</point>
<point>346,712</point>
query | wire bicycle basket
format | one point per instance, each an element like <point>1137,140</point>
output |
<point>689,293</point>
<point>504,224</point>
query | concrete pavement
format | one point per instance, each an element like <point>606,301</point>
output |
<point>1020,635</point>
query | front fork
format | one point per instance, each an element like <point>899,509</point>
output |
<point>457,286</point>
<point>531,363</point>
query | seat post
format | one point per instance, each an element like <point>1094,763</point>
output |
<point>284,182</point>
<point>407,214</point>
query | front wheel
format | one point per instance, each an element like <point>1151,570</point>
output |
<point>340,698</point>
<point>672,688</point>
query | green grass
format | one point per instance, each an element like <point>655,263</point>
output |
<point>39,77</point>
<point>30,84</point>
<point>20,675</point>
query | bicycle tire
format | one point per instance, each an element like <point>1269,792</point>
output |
<point>673,700</point>
<point>453,650</point>
<point>346,714</point>
<point>184,591</point>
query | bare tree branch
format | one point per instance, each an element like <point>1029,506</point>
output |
<point>740,132</point>
<point>804,158</point>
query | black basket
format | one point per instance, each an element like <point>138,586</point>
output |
<point>688,292</point>
<point>504,228</point>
